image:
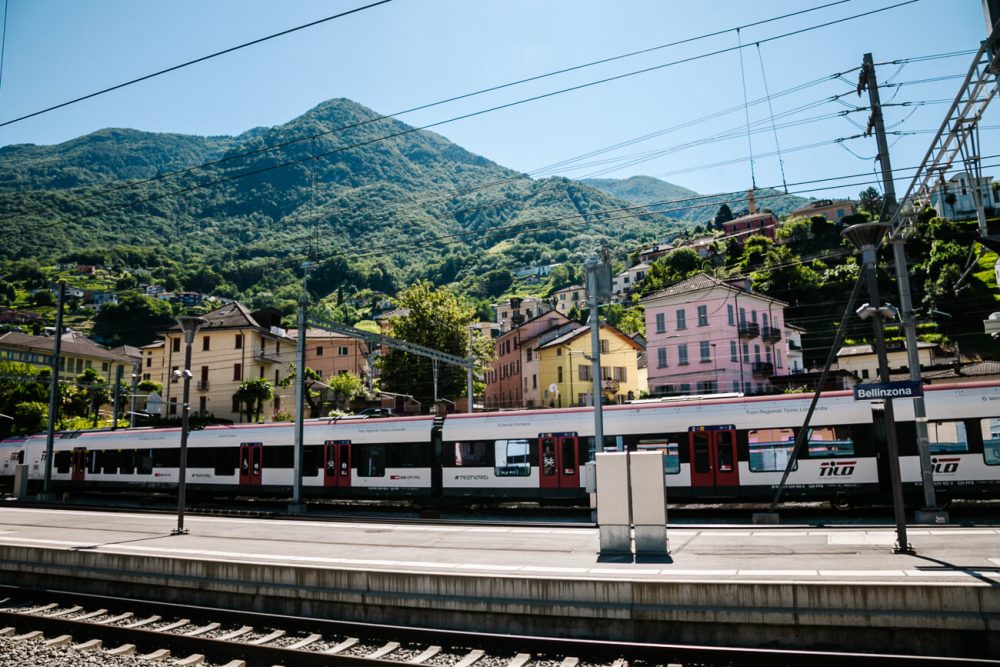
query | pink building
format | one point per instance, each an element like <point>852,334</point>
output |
<point>505,386</point>
<point>760,224</point>
<point>706,335</point>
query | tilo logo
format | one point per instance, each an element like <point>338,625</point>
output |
<point>945,465</point>
<point>837,468</point>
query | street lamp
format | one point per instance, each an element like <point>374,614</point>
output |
<point>189,325</point>
<point>866,238</point>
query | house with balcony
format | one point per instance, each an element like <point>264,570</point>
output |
<point>706,335</point>
<point>568,297</point>
<point>955,198</point>
<point>235,345</point>
<point>517,310</point>
<point>565,367</point>
<point>512,381</point>
<point>623,284</point>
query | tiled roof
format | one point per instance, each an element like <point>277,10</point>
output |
<point>73,343</point>
<point>704,281</point>
<point>585,329</point>
<point>862,350</point>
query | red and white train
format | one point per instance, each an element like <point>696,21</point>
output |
<point>722,448</point>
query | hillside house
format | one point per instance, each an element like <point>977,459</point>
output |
<point>234,346</point>
<point>568,297</point>
<point>77,353</point>
<point>512,381</point>
<point>708,336</point>
<point>565,364</point>
<point>833,210</point>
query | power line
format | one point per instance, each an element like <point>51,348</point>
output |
<point>202,59</point>
<point>269,168</point>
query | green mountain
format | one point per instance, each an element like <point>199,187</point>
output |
<point>375,202</point>
<point>686,205</point>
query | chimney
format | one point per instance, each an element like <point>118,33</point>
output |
<point>751,202</point>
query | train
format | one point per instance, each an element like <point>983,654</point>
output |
<point>725,448</point>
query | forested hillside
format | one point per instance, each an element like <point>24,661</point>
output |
<point>377,203</point>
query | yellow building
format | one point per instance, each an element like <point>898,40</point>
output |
<point>77,353</point>
<point>565,368</point>
<point>233,346</point>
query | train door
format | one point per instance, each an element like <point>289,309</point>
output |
<point>559,460</point>
<point>337,463</point>
<point>251,463</point>
<point>78,468</point>
<point>714,469</point>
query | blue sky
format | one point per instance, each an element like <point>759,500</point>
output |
<point>411,52</point>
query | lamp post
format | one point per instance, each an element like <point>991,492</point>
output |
<point>189,325</point>
<point>866,238</point>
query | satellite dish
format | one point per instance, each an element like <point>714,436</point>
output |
<point>553,388</point>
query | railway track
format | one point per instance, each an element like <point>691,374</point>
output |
<point>105,630</point>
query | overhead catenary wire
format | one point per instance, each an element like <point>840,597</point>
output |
<point>770,109</point>
<point>189,63</point>
<point>463,96</point>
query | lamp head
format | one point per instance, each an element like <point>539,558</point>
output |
<point>190,324</point>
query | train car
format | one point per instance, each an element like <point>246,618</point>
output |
<point>719,449</point>
<point>349,458</point>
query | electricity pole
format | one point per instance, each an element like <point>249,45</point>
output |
<point>298,506</point>
<point>53,396</point>
<point>930,513</point>
<point>875,122</point>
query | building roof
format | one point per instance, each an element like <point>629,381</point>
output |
<point>573,334</point>
<point>704,281</point>
<point>821,203</point>
<point>388,315</point>
<point>312,332</point>
<point>862,350</point>
<point>751,217</point>
<point>73,343</point>
<point>976,369</point>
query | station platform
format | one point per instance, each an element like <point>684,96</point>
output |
<point>774,586</point>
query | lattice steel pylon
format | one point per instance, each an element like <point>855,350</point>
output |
<point>957,136</point>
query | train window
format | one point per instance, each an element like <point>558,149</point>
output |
<point>512,458</point>
<point>371,460</point>
<point>701,459</point>
<point>948,437</point>
<point>62,462</point>
<point>406,455</point>
<point>126,462</point>
<point>144,461</point>
<point>201,457</point>
<point>226,460</point>
<point>830,441</point>
<point>548,467</point>
<point>474,453</point>
<point>770,449</point>
<point>278,456</point>
<point>166,458</point>
<point>670,446</point>
<point>310,460</point>
<point>991,440</point>
<point>725,451</point>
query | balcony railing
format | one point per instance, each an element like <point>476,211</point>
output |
<point>794,345</point>
<point>762,368</point>
<point>770,334</point>
<point>203,385</point>
<point>269,357</point>
<point>749,330</point>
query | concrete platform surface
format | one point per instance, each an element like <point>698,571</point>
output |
<point>944,555</point>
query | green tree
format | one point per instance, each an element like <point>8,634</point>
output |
<point>20,383</point>
<point>30,417</point>
<point>724,215</point>
<point>669,269</point>
<point>94,392</point>
<point>134,320</point>
<point>253,394</point>
<point>312,395</point>
<point>438,320</point>
<point>872,201</point>
<point>345,387</point>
